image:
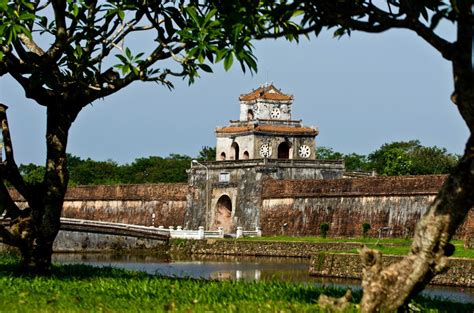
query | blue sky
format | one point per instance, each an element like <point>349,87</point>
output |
<point>361,91</point>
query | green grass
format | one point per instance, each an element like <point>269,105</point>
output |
<point>81,288</point>
<point>395,246</point>
<point>460,252</point>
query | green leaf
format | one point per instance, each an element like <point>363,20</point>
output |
<point>209,16</point>
<point>128,53</point>
<point>192,12</point>
<point>75,10</point>
<point>220,55</point>
<point>121,14</point>
<point>297,13</point>
<point>205,68</point>
<point>27,16</point>
<point>229,59</point>
<point>122,58</point>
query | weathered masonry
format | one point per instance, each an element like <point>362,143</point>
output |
<point>265,143</point>
<point>266,175</point>
<point>291,207</point>
<point>394,204</point>
<point>265,130</point>
<point>146,204</point>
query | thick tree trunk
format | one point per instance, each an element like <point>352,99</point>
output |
<point>36,227</point>
<point>386,289</point>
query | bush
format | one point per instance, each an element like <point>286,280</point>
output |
<point>365,230</point>
<point>323,229</point>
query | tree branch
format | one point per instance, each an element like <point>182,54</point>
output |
<point>31,44</point>
<point>6,202</point>
<point>445,47</point>
<point>59,7</point>
<point>7,237</point>
<point>11,172</point>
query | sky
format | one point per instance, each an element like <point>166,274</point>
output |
<point>360,91</point>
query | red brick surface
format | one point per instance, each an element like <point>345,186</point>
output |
<point>293,207</point>
<point>171,191</point>
<point>370,186</point>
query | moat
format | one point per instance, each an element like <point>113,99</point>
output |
<point>236,268</point>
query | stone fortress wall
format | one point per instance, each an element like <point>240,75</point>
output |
<point>130,204</point>
<point>345,204</point>
<point>395,203</point>
<point>241,183</point>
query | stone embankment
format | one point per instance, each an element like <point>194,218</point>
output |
<point>256,248</point>
<point>323,262</point>
<point>460,272</point>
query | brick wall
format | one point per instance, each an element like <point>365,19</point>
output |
<point>294,207</point>
<point>131,204</point>
<point>370,186</point>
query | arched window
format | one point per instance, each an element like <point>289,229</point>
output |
<point>245,155</point>
<point>235,151</point>
<point>222,158</point>
<point>249,115</point>
<point>284,150</point>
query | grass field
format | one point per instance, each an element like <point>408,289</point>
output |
<point>80,288</point>
<point>394,246</point>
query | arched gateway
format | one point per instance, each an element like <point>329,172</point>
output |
<point>223,214</point>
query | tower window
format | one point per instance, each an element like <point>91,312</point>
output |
<point>222,158</point>
<point>245,155</point>
<point>250,115</point>
<point>235,151</point>
<point>284,150</point>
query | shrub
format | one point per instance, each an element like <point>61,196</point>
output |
<point>365,230</point>
<point>324,228</point>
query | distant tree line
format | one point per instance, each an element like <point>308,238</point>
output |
<point>391,159</point>
<point>397,158</point>
<point>153,169</point>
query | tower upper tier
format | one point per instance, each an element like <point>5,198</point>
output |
<point>265,103</point>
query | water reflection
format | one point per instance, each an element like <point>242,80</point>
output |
<point>236,268</point>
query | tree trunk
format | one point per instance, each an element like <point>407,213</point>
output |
<point>386,289</point>
<point>38,225</point>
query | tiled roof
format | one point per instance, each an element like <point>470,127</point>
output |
<point>266,93</point>
<point>266,128</point>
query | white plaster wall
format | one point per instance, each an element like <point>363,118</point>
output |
<point>262,109</point>
<point>224,144</point>
<point>244,108</point>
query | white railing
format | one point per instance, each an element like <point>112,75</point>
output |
<point>101,226</point>
<point>248,233</point>
<point>181,233</point>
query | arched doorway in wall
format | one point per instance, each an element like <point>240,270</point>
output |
<point>245,155</point>
<point>223,217</point>
<point>235,150</point>
<point>284,150</point>
<point>222,157</point>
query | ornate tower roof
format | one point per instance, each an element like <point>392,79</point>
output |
<point>266,92</point>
